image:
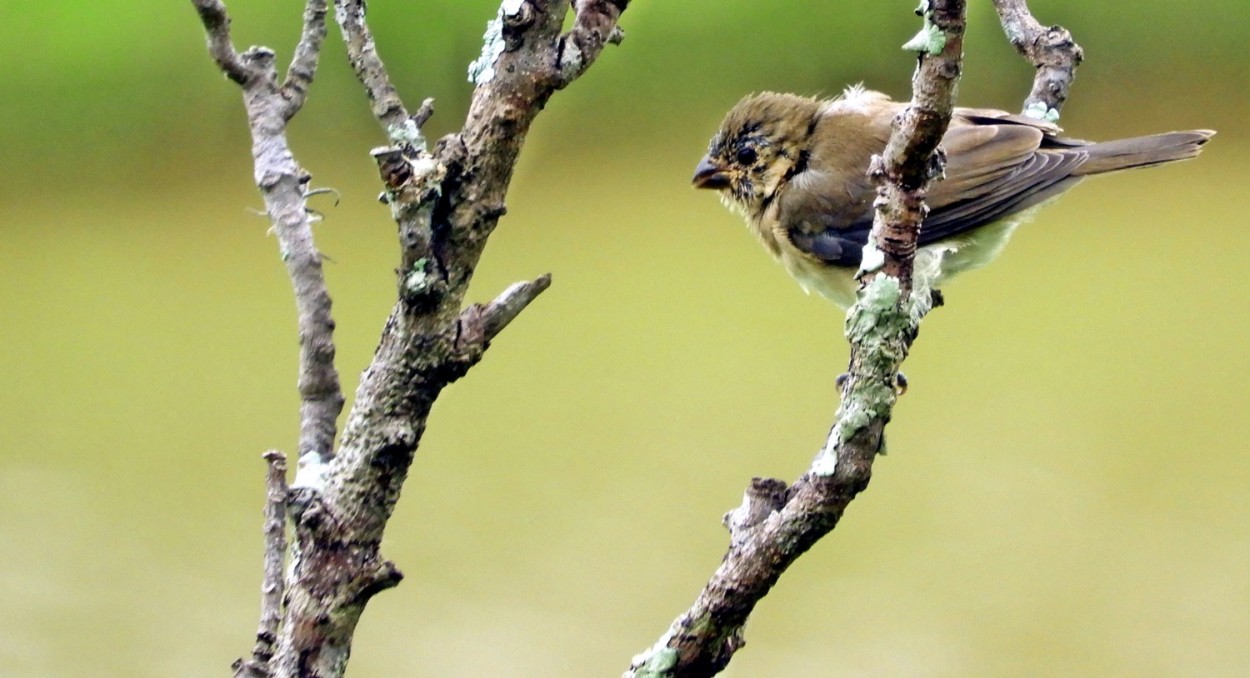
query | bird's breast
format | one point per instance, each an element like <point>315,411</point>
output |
<point>837,284</point>
<point>764,226</point>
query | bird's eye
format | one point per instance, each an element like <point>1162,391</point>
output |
<point>746,156</point>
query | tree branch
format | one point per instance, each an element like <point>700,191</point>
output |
<point>362,53</point>
<point>272,587</point>
<point>445,203</point>
<point>509,304</point>
<point>911,158</point>
<point>776,524</point>
<point>283,185</point>
<point>217,26</point>
<point>1052,52</point>
<point>299,75</point>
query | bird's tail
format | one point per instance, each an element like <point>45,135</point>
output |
<point>1156,149</point>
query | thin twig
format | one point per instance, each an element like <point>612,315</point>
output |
<point>321,396</point>
<point>362,53</point>
<point>478,324</point>
<point>299,75</point>
<point>509,304</point>
<point>217,25</point>
<point>593,27</point>
<point>282,183</point>
<point>275,558</point>
<point>775,524</point>
<point>1052,52</point>
<point>275,554</point>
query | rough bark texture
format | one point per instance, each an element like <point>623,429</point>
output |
<point>911,159</point>
<point>272,588</point>
<point>1052,52</point>
<point>283,185</point>
<point>775,524</point>
<point>445,203</point>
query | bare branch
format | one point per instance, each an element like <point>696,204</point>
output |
<point>445,204</point>
<point>299,75</point>
<point>593,27</point>
<point>910,160</point>
<point>525,59</point>
<point>775,524</point>
<point>1052,52</point>
<point>477,325</point>
<point>362,52</point>
<point>217,25</point>
<point>424,112</point>
<point>509,304</point>
<point>763,497</point>
<point>275,553</point>
<point>283,184</point>
<point>275,557</point>
<point>321,395</point>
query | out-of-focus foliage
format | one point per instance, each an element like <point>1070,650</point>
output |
<point>1065,493</point>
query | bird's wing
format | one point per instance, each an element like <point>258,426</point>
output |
<point>834,246</point>
<point>993,116</point>
<point>827,216</point>
<point>997,165</point>
<point>995,169</point>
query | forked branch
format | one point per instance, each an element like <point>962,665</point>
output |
<point>1052,52</point>
<point>217,27</point>
<point>284,185</point>
<point>445,202</point>
<point>776,524</point>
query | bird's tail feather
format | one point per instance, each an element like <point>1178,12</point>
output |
<point>1156,149</point>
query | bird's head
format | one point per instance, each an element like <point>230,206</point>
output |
<point>760,145</point>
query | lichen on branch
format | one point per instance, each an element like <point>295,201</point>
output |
<point>776,523</point>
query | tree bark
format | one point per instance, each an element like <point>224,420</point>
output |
<point>776,524</point>
<point>1052,52</point>
<point>446,202</point>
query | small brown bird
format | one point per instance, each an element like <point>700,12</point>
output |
<point>797,169</point>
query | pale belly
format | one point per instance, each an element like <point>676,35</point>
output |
<point>935,264</point>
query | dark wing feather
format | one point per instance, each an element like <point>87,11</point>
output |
<point>997,165</point>
<point>839,247</point>
<point>994,171</point>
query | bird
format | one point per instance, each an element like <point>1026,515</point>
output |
<point>796,168</point>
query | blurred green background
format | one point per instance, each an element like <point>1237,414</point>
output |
<point>1066,489</point>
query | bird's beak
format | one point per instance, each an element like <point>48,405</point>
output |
<point>710,175</point>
